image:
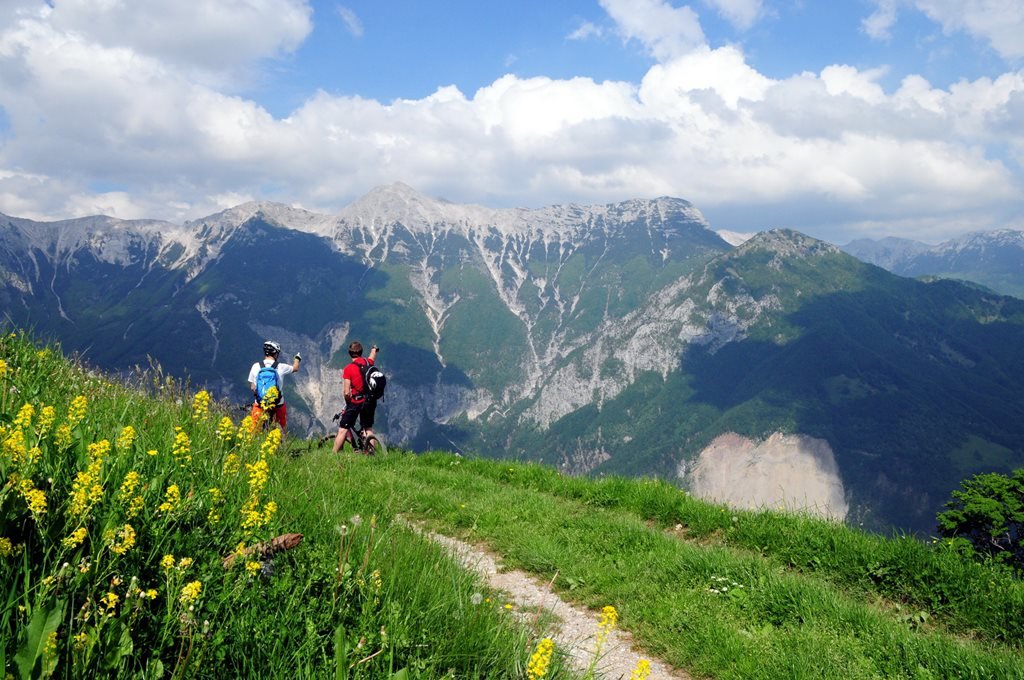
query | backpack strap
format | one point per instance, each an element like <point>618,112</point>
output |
<point>362,373</point>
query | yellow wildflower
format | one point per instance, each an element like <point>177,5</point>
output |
<point>24,418</point>
<point>642,670</point>
<point>33,455</point>
<point>216,499</point>
<point>246,429</point>
<point>110,600</point>
<point>62,438</point>
<point>14,447</point>
<point>135,506</point>
<point>270,444</point>
<point>225,429</point>
<point>252,518</point>
<point>51,644</point>
<point>80,505</point>
<point>129,485</point>
<point>270,399</point>
<point>182,449</point>
<point>126,439</point>
<point>134,502</point>
<point>80,640</point>
<point>151,452</point>
<point>34,498</point>
<point>200,405</point>
<point>604,628</point>
<point>167,562</point>
<point>232,464</point>
<point>3,368</point>
<point>252,567</point>
<point>541,659</point>
<point>47,416</point>
<point>259,472</point>
<point>86,489</point>
<point>191,592</point>
<point>121,541</point>
<point>99,450</point>
<point>269,510</point>
<point>609,617</point>
<point>184,563</point>
<point>76,538</point>
<point>171,499</point>
<point>76,412</point>
<point>150,594</point>
<point>6,547</point>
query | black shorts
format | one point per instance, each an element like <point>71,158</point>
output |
<point>366,410</point>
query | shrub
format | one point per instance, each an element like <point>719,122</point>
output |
<point>988,513</point>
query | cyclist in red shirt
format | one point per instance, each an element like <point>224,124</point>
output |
<point>357,402</point>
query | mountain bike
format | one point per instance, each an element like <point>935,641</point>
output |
<point>368,445</point>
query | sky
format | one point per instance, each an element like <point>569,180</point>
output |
<point>840,118</point>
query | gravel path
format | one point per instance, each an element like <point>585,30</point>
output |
<point>576,628</point>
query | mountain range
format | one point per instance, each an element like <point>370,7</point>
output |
<point>627,338</point>
<point>992,258</point>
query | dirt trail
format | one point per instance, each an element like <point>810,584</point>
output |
<point>576,628</point>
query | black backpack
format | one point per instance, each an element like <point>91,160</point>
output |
<point>374,380</point>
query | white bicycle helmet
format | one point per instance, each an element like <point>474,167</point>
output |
<point>271,348</point>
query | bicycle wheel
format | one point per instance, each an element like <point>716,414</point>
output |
<point>375,446</point>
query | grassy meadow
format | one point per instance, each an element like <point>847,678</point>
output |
<point>136,516</point>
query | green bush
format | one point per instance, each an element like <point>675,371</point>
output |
<point>987,513</point>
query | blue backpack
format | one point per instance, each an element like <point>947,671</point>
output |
<point>265,379</point>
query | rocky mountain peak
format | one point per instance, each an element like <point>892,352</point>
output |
<point>787,243</point>
<point>399,203</point>
<point>278,214</point>
<point>979,240</point>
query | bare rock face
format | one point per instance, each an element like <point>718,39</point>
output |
<point>794,472</point>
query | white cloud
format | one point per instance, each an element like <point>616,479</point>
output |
<point>879,24</point>
<point>742,14</point>
<point>586,30</point>
<point>210,38</point>
<point>665,31</point>
<point>351,21</point>
<point>1000,23</point>
<point>702,124</point>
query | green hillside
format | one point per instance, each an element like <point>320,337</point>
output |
<point>915,385</point>
<point>617,339</point>
<point>121,502</point>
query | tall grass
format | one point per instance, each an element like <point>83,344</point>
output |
<point>118,509</point>
<point>120,504</point>
<point>708,604</point>
<point>931,579</point>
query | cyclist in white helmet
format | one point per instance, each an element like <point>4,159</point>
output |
<point>258,380</point>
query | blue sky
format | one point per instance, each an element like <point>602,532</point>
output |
<point>408,49</point>
<point>843,119</point>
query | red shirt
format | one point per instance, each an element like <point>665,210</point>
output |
<point>355,376</point>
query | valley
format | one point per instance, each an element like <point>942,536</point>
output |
<point>627,338</point>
